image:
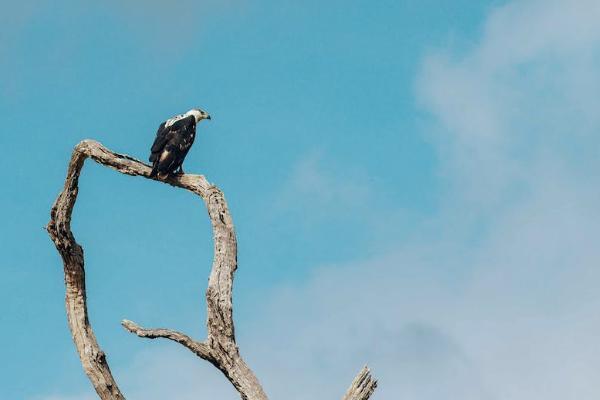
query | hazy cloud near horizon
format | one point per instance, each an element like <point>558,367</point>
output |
<point>496,297</point>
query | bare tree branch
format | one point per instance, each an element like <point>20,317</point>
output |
<point>362,386</point>
<point>220,347</point>
<point>200,349</point>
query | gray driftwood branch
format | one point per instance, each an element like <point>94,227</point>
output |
<point>219,348</point>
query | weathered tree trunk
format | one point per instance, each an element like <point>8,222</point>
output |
<point>220,347</point>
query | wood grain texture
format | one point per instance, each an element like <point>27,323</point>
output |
<point>220,347</point>
<point>362,386</point>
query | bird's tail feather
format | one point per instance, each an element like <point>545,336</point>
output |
<point>154,171</point>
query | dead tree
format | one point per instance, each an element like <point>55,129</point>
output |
<point>219,348</point>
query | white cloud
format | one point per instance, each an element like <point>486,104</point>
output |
<point>172,29</point>
<point>527,88</point>
<point>315,189</point>
<point>170,371</point>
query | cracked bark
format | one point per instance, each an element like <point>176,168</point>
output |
<point>219,348</point>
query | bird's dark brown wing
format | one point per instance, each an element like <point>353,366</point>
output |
<point>162,137</point>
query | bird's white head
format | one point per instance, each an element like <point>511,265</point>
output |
<point>198,114</point>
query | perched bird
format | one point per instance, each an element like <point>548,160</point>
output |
<point>173,140</point>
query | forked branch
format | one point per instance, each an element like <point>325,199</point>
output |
<point>220,347</point>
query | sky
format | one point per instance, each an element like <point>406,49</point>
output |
<point>414,185</point>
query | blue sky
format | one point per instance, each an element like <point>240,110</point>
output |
<point>414,185</point>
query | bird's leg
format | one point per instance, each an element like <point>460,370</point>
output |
<point>180,170</point>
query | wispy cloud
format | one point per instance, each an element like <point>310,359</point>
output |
<point>526,91</point>
<point>316,188</point>
<point>171,29</point>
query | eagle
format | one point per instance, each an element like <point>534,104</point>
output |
<point>173,140</point>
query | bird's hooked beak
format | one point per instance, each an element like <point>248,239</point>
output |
<point>204,114</point>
